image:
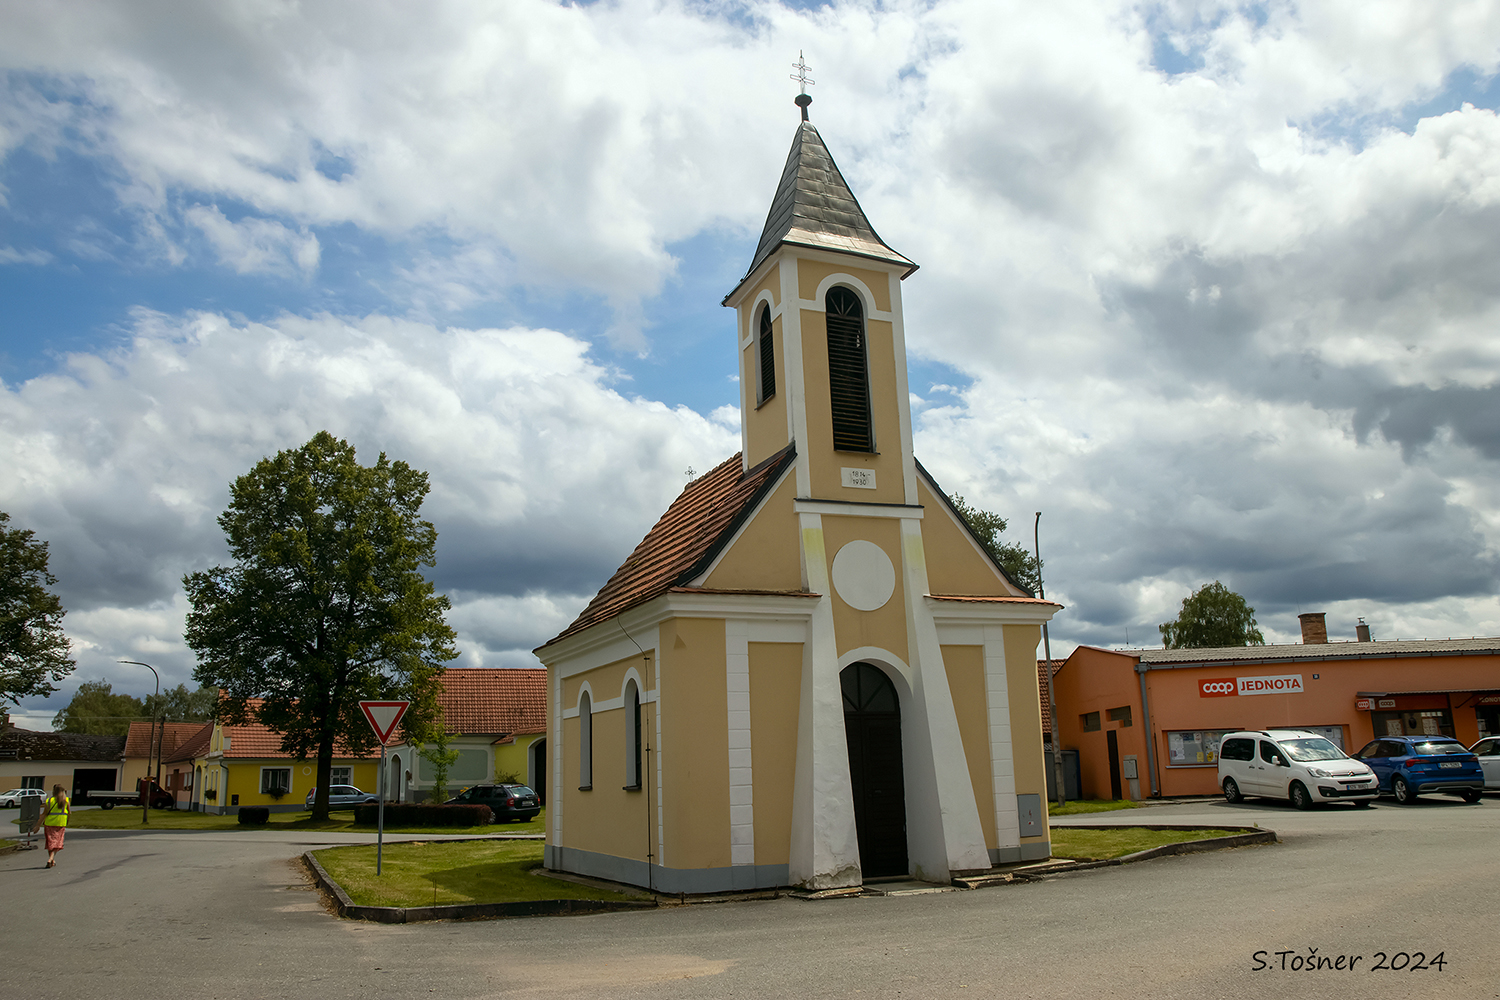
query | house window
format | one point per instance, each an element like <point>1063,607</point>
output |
<point>632,737</point>
<point>1196,748</point>
<point>1090,722</point>
<point>766,354</point>
<point>34,781</point>
<point>275,781</point>
<point>341,776</point>
<point>585,742</point>
<point>848,371</point>
<point>1120,715</point>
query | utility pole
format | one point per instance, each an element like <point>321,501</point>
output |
<point>1041,590</point>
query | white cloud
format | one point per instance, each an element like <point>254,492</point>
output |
<point>10,255</point>
<point>256,246</point>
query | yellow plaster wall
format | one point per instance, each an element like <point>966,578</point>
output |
<point>695,742</point>
<point>810,274</point>
<point>775,699</point>
<point>766,430</point>
<point>766,555</point>
<point>953,565</point>
<point>244,779</point>
<point>510,758</point>
<point>884,627</point>
<point>965,667</point>
<point>825,463</point>
<point>608,682</point>
<point>606,819</point>
<point>1024,692</point>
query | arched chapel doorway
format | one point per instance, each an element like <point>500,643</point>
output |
<point>872,724</point>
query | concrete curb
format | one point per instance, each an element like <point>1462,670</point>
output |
<point>461,911</point>
<point>1249,837</point>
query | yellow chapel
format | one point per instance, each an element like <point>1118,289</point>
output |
<point>809,672</point>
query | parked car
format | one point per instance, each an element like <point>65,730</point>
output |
<point>1291,764</point>
<point>342,797</point>
<point>15,795</point>
<point>1407,766</point>
<point>507,802</point>
<point>1488,752</point>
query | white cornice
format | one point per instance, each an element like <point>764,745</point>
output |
<point>854,508</point>
<point>990,612</point>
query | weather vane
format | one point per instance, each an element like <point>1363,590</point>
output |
<point>804,98</point>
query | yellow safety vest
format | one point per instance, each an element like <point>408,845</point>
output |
<point>54,817</point>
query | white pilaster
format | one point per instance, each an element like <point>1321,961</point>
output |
<point>825,846</point>
<point>741,787</point>
<point>796,378</point>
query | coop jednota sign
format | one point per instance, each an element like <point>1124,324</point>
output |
<point>1230,687</point>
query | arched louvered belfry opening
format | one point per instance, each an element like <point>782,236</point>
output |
<point>848,371</point>
<point>766,353</point>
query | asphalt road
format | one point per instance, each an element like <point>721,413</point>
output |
<point>228,915</point>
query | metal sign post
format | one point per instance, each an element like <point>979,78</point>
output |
<point>383,717</point>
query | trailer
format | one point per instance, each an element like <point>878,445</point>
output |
<point>160,798</point>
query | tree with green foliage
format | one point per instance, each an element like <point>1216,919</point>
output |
<point>325,603</point>
<point>1015,557</point>
<point>435,752</point>
<point>1213,615</point>
<point>33,647</point>
<point>179,704</point>
<point>96,709</point>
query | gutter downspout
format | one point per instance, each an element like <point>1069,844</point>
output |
<point>1140,669</point>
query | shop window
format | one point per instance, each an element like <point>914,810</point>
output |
<point>275,781</point>
<point>1195,747</point>
<point>1090,722</point>
<point>1120,715</point>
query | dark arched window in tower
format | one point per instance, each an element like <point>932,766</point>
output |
<point>848,371</point>
<point>632,737</point>
<point>767,354</point>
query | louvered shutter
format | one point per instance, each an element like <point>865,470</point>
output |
<point>848,372</point>
<point>767,357</point>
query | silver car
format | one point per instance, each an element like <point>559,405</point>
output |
<point>342,797</point>
<point>16,795</point>
<point>1488,752</point>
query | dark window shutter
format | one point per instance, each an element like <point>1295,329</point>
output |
<point>848,373</point>
<point>767,357</point>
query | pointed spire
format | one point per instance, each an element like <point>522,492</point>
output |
<point>814,207</point>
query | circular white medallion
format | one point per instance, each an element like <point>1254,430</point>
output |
<point>863,575</point>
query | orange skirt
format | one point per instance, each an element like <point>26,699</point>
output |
<point>55,837</point>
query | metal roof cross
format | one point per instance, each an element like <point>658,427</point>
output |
<point>801,76</point>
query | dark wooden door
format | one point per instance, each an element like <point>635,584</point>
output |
<point>872,724</point>
<point>1114,764</point>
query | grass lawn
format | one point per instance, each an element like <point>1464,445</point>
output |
<point>121,818</point>
<point>1089,806</point>
<point>438,873</point>
<point>1101,845</point>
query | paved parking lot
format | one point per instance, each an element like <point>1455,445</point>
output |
<point>225,915</point>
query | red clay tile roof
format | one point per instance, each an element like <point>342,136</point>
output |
<point>494,701</point>
<point>695,528</point>
<point>194,746</point>
<point>1041,679</point>
<point>256,739</point>
<point>173,735</point>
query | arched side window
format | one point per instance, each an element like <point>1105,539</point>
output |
<point>848,371</point>
<point>632,736</point>
<point>585,742</point>
<point>766,353</point>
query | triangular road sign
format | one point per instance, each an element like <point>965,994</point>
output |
<point>383,716</point>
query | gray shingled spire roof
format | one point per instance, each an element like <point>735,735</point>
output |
<point>813,207</point>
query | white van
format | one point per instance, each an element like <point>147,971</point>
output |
<point>1292,764</point>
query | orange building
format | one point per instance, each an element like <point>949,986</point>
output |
<point>1147,722</point>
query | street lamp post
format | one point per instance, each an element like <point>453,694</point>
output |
<point>150,744</point>
<point>1057,755</point>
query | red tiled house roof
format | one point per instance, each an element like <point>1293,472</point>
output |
<point>194,746</point>
<point>494,701</point>
<point>173,735</point>
<point>256,739</point>
<point>1041,677</point>
<point>695,529</point>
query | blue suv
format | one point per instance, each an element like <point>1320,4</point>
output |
<point>1406,766</point>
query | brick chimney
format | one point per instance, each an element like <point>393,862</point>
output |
<point>1362,631</point>
<point>1314,628</point>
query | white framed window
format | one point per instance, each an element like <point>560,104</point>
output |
<point>632,736</point>
<point>275,781</point>
<point>765,357</point>
<point>585,742</point>
<point>341,776</point>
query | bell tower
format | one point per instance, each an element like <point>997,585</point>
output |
<point>821,342</point>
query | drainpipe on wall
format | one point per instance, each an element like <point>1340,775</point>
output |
<point>1140,669</point>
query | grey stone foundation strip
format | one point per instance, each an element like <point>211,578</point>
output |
<point>461,911</point>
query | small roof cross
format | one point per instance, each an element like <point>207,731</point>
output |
<point>803,98</point>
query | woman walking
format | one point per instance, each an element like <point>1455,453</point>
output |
<point>54,819</point>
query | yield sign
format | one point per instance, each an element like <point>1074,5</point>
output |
<point>383,716</point>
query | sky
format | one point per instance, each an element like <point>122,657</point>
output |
<point>1213,286</point>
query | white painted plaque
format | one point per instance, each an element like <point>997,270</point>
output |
<point>863,575</point>
<point>859,479</point>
